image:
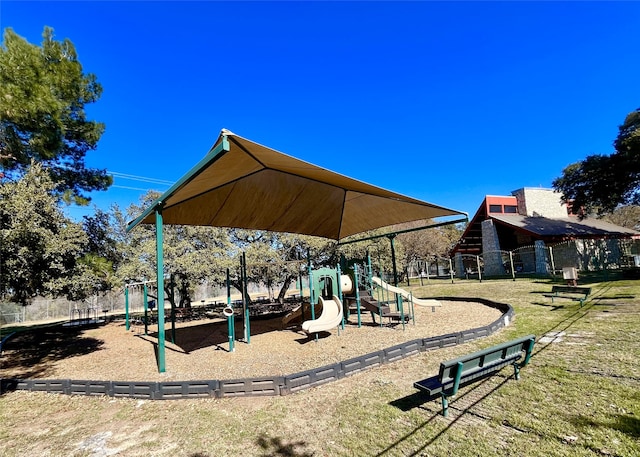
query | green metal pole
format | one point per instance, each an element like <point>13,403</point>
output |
<point>126,307</point>
<point>380,293</point>
<point>395,267</point>
<point>146,310</point>
<point>513,270</point>
<point>160,283</point>
<point>173,310</point>
<point>312,298</point>
<point>401,309</point>
<point>339,278</point>
<point>355,276</point>
<point>413,309</point>
<point>299,277</point>
<point>451,270</point>
<point>231,325</point>
<point>369,274</point>
<point>393,259</point>
<point>245,300</point>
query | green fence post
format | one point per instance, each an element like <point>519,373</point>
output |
<point>413,308</point>
<point>245,299</point>
<point>146,309</point>
<point>126,307</point>
<point>173,309</point>
<point>355,276</point>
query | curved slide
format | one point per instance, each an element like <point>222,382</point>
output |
<point>405,294</point>
<point>331,317</point>
<point>295,316</point>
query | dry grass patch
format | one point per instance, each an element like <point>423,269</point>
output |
<point>578,397</point>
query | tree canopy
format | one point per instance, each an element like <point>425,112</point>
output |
<point>43,93</point>
<point>600,182</point>
<point>39,246</point>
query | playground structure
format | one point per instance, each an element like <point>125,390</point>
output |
<point>344,295</point>
<point>406,295</point>
<point>332,298</point>
<point>326,289</point>
<point>371,294</point>
<point>148,305</point>
<point>243,184</point>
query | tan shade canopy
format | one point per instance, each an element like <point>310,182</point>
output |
<point>246,185</point>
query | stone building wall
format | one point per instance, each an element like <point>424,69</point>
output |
<point>534,201</point>
<point>491,250</point>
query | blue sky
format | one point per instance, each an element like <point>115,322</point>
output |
<point>441,101</point>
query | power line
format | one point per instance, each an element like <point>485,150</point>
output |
<point>131,188</point>
<point>117,174</point>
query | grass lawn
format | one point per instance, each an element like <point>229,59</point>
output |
<point>579,396</point>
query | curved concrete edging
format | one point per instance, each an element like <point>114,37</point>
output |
<point>263,386</point>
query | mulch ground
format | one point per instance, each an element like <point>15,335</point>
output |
<point>200,348</point>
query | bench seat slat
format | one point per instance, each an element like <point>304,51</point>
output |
<point>433,386</point>
<point>569,293</point>
<point>469,368</point>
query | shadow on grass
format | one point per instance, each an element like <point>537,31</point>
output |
<point>31,354</point>
<point>275,446</point>
<point>624,423</point>
<point>551,306</point>
<point>417,400</point>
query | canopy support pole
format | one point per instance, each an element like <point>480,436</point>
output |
<point>160,283</point>
<point>392,237</point>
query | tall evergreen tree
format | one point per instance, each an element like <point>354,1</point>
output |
<point>43,93</point>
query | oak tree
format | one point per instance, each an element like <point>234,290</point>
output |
<point>601,182</point>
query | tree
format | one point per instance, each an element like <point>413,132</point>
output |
<point>192,254</point>
<point>625,216</point>
<point>277,259</point>
<point>600,183</point>
<point>43,93</point>
<point>428,243</point>
<point>38,244</point>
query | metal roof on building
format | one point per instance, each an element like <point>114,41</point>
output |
<point>564,227</point>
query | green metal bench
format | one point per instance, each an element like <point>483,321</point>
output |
<point>467,369</point>
<point>569,292</point>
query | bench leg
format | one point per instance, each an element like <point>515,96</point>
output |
<point>516,371</point>
<point>445,405</point>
